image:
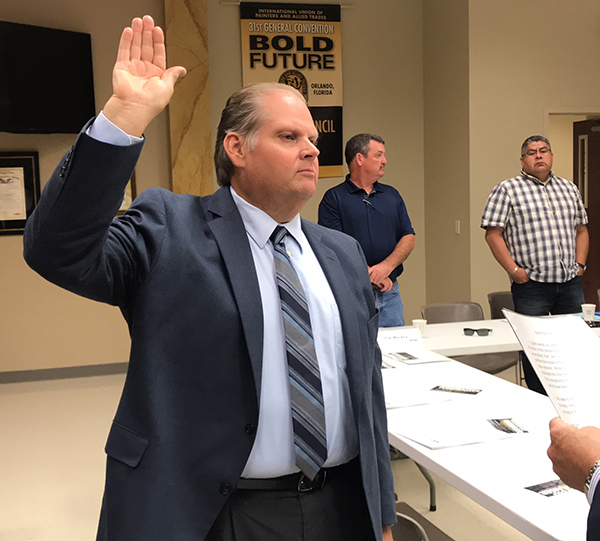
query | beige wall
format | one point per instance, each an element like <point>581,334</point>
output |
<point>527,60</point>
<point>446,61</point>
<point>42,325</point>
<point>495,73</point>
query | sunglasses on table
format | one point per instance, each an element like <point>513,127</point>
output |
<point>480,332</point>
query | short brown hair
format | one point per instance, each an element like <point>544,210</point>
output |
<point>359,144</point>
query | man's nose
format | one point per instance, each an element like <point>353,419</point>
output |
<point>311,150</point>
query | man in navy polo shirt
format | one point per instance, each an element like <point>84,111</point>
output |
<point>375,215</point>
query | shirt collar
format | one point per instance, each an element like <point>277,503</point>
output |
<point>353,188</point>
<point>527,176</point>
<point>259,225</point>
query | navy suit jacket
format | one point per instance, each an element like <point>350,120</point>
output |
<point>181,270</point>
<point>593,523</point>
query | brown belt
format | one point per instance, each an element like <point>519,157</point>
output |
<point>298,481</point>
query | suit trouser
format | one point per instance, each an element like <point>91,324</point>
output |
<point>540,299</point>
<point>336,511</point>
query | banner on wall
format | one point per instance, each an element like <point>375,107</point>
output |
<point>300,45</point>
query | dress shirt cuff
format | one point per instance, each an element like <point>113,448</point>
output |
<point>105,131</point>
<point>594,482</point>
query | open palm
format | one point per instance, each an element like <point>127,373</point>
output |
<point>142,84</point>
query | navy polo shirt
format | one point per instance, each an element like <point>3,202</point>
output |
<point>377,221</point>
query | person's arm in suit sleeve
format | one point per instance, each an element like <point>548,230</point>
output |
<point>386,480</point>
<point>372,356</point>
<point>67,238</point>
<point>593,523</point>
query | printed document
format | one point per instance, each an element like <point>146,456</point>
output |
<point>565,354</point>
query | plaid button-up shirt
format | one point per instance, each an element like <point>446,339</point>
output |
<point>539,221</point>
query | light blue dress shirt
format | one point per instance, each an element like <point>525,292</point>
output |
<point>273,452</point>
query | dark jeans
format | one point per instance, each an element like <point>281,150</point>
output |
<point>540,299</point>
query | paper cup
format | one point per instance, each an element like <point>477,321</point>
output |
<point>589,311</point>
<point>419,324</point>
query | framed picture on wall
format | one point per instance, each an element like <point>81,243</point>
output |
<point>19,189</point>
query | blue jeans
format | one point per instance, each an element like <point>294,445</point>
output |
<point>391,309</point>
<point>540,299</point>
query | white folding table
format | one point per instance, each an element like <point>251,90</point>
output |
<point>449,339</point>
<point>495,473</point>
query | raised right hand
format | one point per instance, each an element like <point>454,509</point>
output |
<point>142,84</point>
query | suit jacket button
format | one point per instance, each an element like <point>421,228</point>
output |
<point>250,429</point>
<point>225,488</point>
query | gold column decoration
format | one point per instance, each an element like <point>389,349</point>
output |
<point>189,115</point>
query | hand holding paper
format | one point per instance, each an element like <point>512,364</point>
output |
<point>573,451</point>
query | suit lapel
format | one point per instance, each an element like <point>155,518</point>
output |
<point>229,232</point>
<point>336,277</point>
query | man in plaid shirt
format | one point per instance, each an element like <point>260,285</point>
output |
<point>535,225</point>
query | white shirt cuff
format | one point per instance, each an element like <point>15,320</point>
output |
<point>595,478</point>
<point>105,131</point>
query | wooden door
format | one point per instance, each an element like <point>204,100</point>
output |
<point>586,175</point>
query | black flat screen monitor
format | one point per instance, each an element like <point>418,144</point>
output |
<point>46,79</point>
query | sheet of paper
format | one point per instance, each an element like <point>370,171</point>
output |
<point>565,354</point>
<point>397,338</point>
<point>430,427</point>
<point>402,389</point>
<point>410,355</point>
<point>415,398</point>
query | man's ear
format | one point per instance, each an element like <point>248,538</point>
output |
<point>234,145</point>
<point>359,159</point>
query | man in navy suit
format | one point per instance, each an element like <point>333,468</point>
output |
<point>202,445</point>
<point>575,455</point>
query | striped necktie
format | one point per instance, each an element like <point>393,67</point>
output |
<point>308,413</point>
